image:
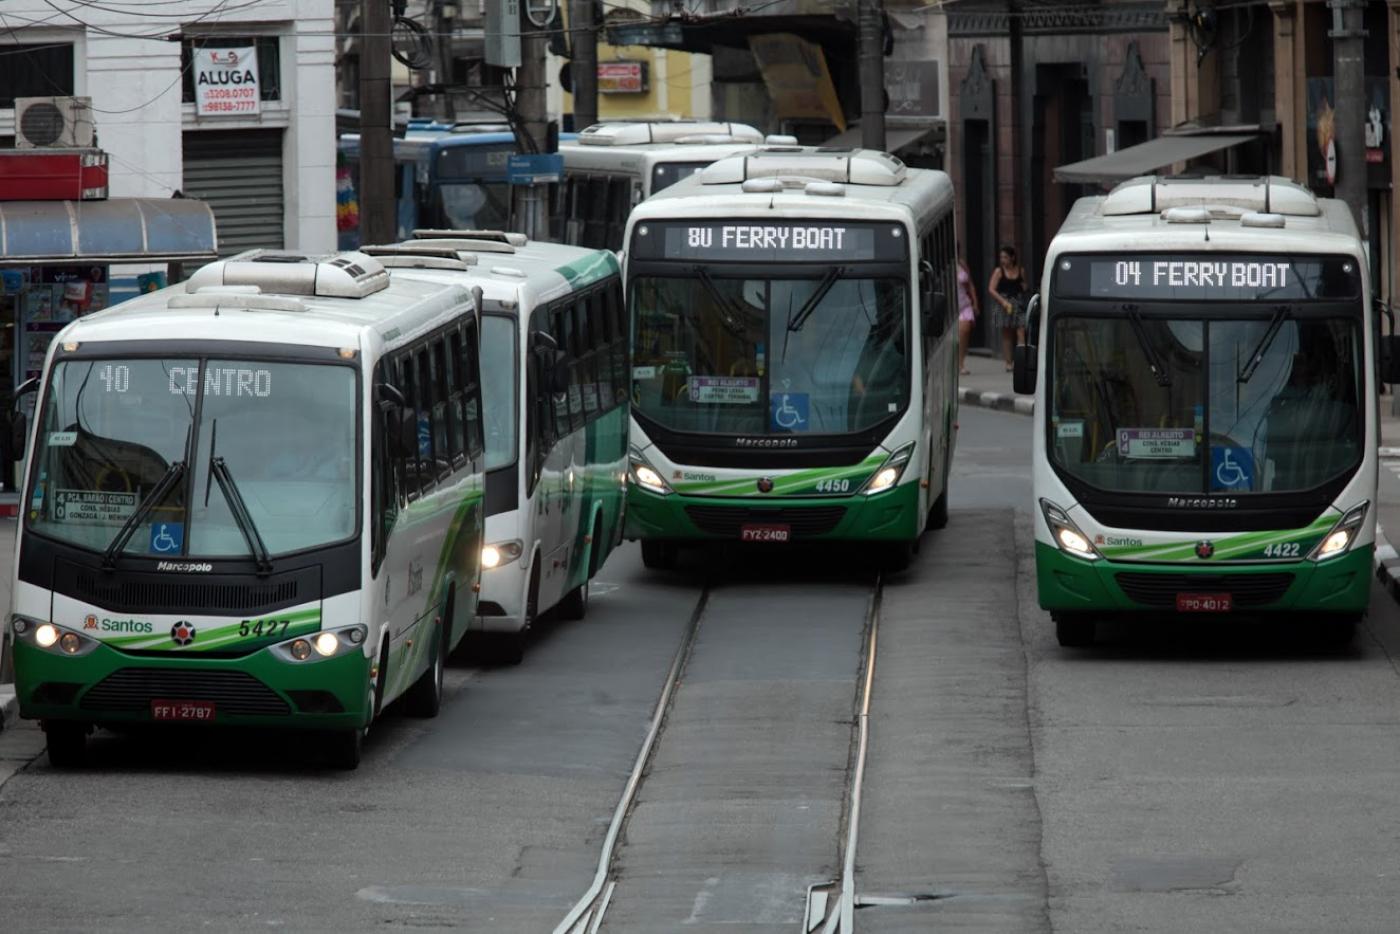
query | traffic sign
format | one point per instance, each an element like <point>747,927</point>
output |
<point>535,168</point>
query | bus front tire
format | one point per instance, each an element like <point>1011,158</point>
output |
<point>344,748</point>
<point>1337,632</point>
<point>938,512</point>
<point>424,699</point>
<point>1073,630</point>
<point>897,556</point>
<point>67,743</point>
<point>659,556</point>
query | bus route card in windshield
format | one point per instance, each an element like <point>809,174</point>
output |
<point>1206,277</point>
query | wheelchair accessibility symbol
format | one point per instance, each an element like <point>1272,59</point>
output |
<point>1231,468</point>
<point>789,411</point>
<point>167,538</point>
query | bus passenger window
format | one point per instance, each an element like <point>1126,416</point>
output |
<point>423,403</point>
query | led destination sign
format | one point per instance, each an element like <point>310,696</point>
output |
<point>769,242</point>
<point>1207,276</point>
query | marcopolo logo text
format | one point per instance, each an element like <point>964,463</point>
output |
<point>188,567</point>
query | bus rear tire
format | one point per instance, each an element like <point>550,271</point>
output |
<point>575,603</point>
<point>344,748</point>
<point>659,556</point>
<point>67,743</point>
<point>1073,630</point>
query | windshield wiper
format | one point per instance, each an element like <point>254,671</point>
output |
<point>1154,363</point>
<point>172,475</point>
<point>796,321</point>
<point>1281,314</point>
<point>731,316</point>
<point>239,508</point>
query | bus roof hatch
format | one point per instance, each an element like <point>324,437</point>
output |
<point>849,166</point>
<point>634,134</point>
<point>1227,194</point>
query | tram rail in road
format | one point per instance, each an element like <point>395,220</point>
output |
<point>829,907</point>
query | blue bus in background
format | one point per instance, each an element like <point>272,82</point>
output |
<point>445,177</point>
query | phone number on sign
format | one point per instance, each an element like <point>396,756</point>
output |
<point>215,94</point>
<point>229,106</point>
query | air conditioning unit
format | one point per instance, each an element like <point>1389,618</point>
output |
<point>53,123</point>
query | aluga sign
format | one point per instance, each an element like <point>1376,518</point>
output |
<point>1204,361</point>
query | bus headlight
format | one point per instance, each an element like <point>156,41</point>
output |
<point>891,470</point>
<point>327,643</point>
<point>646,476</point>
<point>1338,541</point>
<point>51,636</point>
<point>499,553</point>
<point>1066,534</point>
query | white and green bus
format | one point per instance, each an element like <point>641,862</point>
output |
<point>612,167</point>
<point>554,392</point>
<point>253,499</point>
<point>794,366</point>
<point>1205,365</point>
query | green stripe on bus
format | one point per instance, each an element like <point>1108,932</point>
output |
<point>588,269</point>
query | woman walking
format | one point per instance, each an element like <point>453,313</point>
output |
<point>968,310</point>
<point>1008,290</point>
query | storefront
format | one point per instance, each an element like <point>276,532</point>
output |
<point>56,260</point>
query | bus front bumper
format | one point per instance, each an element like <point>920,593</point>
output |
<point>1067,584</point>
<point>107,686</point>
<point>889,516</point>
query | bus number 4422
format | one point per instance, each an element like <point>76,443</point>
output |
<point>1282,550</point>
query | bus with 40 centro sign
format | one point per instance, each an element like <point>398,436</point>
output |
<point>254,499</point>
<point>1205,364</point>
<point>793,365</point>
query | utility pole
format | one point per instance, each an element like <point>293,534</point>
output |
<point>1349,134</point>
<point>871,35</point>
<point>583,42</point>
<point>530,207</point>
<point>444,50</point>
<point>376,132</point>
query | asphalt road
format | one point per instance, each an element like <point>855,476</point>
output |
<point>1168,780</point>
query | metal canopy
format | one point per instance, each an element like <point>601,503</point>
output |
<point>1145,158</point>
<point>136,230</point>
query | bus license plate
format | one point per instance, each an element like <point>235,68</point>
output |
<point>182,710</point>
<point>1203,603</point>
<point>765,533</point>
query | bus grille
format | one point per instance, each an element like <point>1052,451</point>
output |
<point>803,520</point>
<point>131,690</point>
<point>136,592</point>
<point>1245,590</point>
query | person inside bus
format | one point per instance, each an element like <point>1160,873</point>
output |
<point>878,384</point>
<point>1306,418</point>
<point>1008,289</point>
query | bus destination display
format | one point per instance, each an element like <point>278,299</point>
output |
<point>759,242</point>
<point>1209,277</point>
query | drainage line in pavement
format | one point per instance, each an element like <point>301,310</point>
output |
<point>581,919</point>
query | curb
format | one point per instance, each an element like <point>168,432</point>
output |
<point>1387,564</point>
<point>9,705</point>
<point>1004,401</point>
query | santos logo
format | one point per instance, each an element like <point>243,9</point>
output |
<point>117,625</point>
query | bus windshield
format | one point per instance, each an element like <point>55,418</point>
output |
<point>666,174</point>
<point>285,433</point>
<point>499,389</point>
<point>1268,403</point>
<point>760,356</point>
<point>473,205</point>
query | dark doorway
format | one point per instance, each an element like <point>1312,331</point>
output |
<point>979,207</point>
<point>1063,132</point>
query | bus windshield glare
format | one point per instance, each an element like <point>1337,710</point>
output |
<point>284,433</point>
<point>760,356</point>
<point>1232,395</point>
<point>499,389</point>
<point>473,205</point>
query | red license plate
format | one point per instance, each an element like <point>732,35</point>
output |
<point>1203,603</point>
<point>199,710</point>
<point>765,533</point>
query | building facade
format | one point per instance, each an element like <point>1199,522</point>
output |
<point>268,171</point>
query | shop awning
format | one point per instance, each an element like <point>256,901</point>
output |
<point>118,230</point>
<point>896,138</point>
<point>1146,158</point>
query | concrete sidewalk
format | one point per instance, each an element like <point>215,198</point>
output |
<point>989,385</point>
<point>9,708</point>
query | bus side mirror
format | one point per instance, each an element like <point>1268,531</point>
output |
<point>1390,358</point>
<point>935,302</point>
<point>19,422</point>
<point>1023,369</point>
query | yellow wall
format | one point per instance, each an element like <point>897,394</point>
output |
<point>678,86</point>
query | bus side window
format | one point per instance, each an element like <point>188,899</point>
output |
<point>457,375</point>
<point>619,206</point>
<point>384,475</point>
<point>409,459</point>
<point>600,325</point>
<point>443,427</point>
<point>423,403</point>
<point>540,404</point>
<point>586,340</point>
<point>621,348</point>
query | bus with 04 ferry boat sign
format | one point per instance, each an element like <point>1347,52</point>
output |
<point>1205,361</point>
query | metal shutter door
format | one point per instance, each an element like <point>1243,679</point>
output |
<point>239,174</point>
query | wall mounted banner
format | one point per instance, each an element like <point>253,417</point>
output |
<point>226,81</point>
